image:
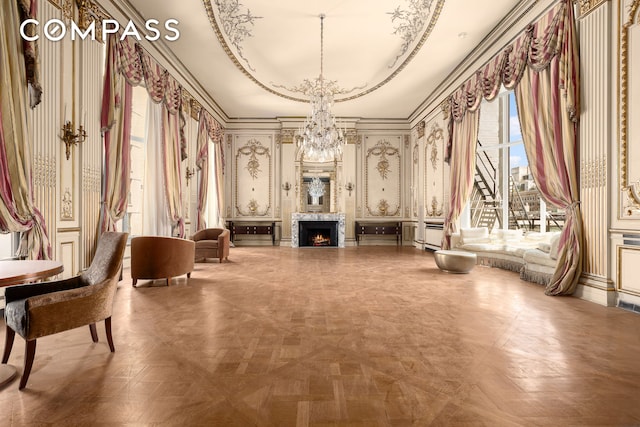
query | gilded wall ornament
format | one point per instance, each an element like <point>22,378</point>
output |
<point>253,206</point>
<point>88,12</point>
<point>421,129</point>
<point>253,149</point>
<point>67,205</point>
<point>587,6</point>
<point>383,149</point>
<point>436,134</point>
<point>435,209</point>
<point>383,207</point>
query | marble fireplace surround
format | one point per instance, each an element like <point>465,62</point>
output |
<point>296,217</point>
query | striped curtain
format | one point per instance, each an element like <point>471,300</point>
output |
<point>17,211</point>
<point>541,65</point>
<point>210,129</point>
<point>547,100</point>
<point>464,120</point>
<point>172,169</point>
<point>202,161</point>
<point>116,130</point>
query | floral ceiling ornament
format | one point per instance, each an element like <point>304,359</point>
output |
<point>236,24</point>
<point>232,26</point>
<point>410,23</point>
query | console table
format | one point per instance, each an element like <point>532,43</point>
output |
<point>250,229</point>
<point>380,229</point>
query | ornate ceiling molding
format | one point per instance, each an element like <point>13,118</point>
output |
<point>235,24</point>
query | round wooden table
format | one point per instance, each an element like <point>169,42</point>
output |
<point>15,272</point>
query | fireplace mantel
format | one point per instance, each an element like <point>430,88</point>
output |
<point>296,217</point>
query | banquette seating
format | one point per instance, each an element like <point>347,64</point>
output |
<point>533,255</point>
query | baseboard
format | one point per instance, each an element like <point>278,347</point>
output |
<point>597,295</point>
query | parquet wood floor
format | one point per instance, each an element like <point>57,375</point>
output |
<point>362,336</point>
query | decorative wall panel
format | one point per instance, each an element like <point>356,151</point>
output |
<point>46,122</point>
<point>595,41</point>
<point>628,259</point>
<point>383,176</point>
<point>253,171</point>
<point>91,59</point>
<point>434,143</point>
<point>415,173</point>
<point>630,109</point>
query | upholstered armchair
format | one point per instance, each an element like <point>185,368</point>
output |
<point>41,309</point>
<point>212,243</point>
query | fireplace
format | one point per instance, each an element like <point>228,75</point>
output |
<point>318,233</point>
<point>333,222</point>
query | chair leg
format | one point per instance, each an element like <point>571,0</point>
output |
<point>8,343</point>
<point>94,332</point>
<point>134,282</point>
<point>107,327</point>
<point>29,355</point>
<point>189,275</point>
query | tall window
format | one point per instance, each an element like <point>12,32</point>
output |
<point>133,220</point>
<point>505,195</point>
<point>8,244</point>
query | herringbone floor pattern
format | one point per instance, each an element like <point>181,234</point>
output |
<point>366,336</point>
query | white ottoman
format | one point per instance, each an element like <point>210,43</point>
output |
<point>455,261</point>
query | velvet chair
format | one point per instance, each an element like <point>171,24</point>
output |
<point>41,309</point>
<point>212,243</point>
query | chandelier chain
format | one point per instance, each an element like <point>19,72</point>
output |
<point>320,138</point>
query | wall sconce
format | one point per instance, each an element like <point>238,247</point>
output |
<point>349,187</point>
<point>286,187</point>
<point>70,139</point>
<point>189,173</point>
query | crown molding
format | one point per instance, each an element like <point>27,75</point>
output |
<point>122,10</point>
<point>509,28</point>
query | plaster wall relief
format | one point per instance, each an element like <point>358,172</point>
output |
<point>434,169</point>
<point>415,171</point>
<point>253,176</point>
<point>629,109</point>
<point>383,176</point>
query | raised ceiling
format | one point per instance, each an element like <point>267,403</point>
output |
<point>250,76</point>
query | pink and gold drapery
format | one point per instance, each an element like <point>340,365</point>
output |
<point>129,65</point>
<point>115,121</point>
<point>17,210</point>
<point>209,129</point>
<point>541,65</point>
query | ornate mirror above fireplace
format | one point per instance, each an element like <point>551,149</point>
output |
<point>314,175</point>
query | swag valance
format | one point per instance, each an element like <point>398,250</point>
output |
<point>534,49</point>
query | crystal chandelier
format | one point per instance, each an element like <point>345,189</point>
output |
<point>320,138</point>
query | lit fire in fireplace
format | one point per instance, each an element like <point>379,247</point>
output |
<point>320,240</point>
